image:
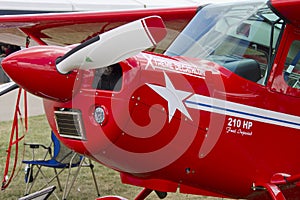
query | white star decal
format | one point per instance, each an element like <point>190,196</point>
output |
<point>173,97</point>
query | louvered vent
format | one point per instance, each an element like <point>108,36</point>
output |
<point>69,124</point>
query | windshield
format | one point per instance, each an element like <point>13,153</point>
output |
<point>230,32</point>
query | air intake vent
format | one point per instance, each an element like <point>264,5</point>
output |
<point>69,124</point>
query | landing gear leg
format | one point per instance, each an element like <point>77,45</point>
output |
<point>274,191</point>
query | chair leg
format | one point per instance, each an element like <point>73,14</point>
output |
<point>30,185</point>
<point>47,182</point>
<point>67,190</point>
<point>27,190</point>
<point>57,178</point>
<point>28,182</point>
<point>69,183</point>
<point>94,177</point>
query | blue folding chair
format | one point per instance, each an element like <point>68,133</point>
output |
<point>62,158</point>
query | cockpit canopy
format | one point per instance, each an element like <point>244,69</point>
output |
<point>232,35</point>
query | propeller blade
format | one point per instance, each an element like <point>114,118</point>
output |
<point>7,87</point>
<point>114,46</point>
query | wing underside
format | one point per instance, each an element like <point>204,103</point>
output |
<point>72,28</point>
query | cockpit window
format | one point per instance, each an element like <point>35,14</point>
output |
<point>232,35</point>
<point>292,66</point>
<point>108,78</point>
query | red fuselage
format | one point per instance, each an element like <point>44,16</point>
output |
<point>182,120</point>
<point>173,122</point>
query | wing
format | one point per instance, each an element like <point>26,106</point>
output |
<point>71,28</point>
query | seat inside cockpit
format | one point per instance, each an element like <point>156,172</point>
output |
<point>245,67</point>
<point>108,78</point>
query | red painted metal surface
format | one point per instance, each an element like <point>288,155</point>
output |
<point>247,159</point>
<point>288,9</point>
<point>179,122</point>
<point>29,67</point>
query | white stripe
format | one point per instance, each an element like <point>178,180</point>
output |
<point>243,111</point>
<point>148,32</point>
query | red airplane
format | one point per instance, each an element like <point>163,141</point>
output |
<point>212,115</point>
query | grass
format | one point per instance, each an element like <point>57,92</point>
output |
<point>108,180</point>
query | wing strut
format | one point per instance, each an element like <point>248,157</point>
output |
<point>32,36</point>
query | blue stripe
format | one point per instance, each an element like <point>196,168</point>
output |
<point>243,113</point>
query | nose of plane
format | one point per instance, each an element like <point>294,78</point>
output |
<point>34,70</point>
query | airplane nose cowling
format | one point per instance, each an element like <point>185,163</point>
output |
<point>34,70</point>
